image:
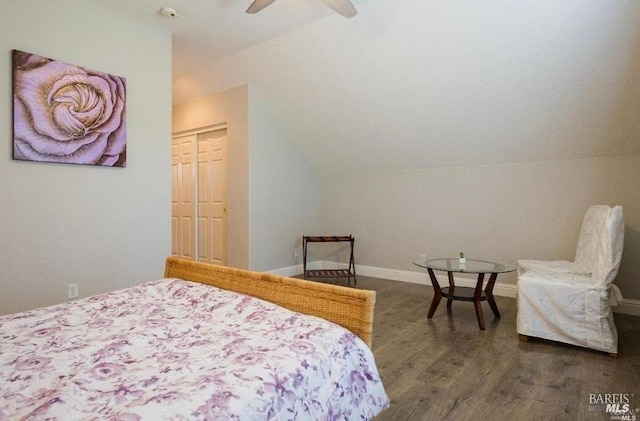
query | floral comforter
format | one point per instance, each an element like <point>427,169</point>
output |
<point>172,349</point>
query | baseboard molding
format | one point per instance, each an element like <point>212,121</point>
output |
<point>287,271</point>
<point>627,306</point>
<point>630,307</point>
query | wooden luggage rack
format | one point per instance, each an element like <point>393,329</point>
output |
<point>348,273</point>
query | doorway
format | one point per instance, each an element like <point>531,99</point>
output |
<point>198,204</point>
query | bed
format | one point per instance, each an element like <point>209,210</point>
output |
<point>204,342</point>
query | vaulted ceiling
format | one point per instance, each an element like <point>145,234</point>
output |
<point>421,83</point>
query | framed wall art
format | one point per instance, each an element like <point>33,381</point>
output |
<point>66,113</point>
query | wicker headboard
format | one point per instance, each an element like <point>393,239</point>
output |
<point>349,307</point>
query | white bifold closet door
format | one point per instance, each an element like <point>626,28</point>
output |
<point>199,211</point>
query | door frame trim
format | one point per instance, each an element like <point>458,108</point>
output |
<point>220,126</point>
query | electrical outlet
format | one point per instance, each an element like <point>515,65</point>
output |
<point>73,290</point>
<point>296,252</point>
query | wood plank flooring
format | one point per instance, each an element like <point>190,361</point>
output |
<point>447,368</point>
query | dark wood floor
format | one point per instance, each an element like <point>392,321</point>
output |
<point>446,368</point>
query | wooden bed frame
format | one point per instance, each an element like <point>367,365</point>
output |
<point>349,307</point>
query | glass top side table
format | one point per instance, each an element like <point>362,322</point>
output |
<point>457,293</point>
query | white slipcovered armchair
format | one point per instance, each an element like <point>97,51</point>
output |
<point>570,302</point>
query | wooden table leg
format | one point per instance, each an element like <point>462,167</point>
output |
<point>437,294</point>
<point>452,288</point>
<point>489,292</point>
<point>477,300</point>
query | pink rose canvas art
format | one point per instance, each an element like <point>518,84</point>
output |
<point>66,113</point>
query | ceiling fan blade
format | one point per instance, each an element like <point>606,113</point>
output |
<point>344,7</point>
<point>258,5</point>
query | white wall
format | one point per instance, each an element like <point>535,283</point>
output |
<point>103,228</point>
<point>283,192</point>
<point>502,212</point>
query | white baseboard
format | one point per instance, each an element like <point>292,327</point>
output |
<point>627,306</point>
<point>288,271</point>
<point>630,307</point>
<point>298,269</point>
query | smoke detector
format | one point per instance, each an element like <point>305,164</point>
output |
<point>169,12</point>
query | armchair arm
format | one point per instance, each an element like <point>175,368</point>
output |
<point>616,295</point>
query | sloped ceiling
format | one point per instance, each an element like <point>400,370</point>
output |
<point>424,83</point>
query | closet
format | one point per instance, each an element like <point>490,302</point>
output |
<point>198,204</point>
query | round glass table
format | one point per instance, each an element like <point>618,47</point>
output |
<point>452,293</point>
